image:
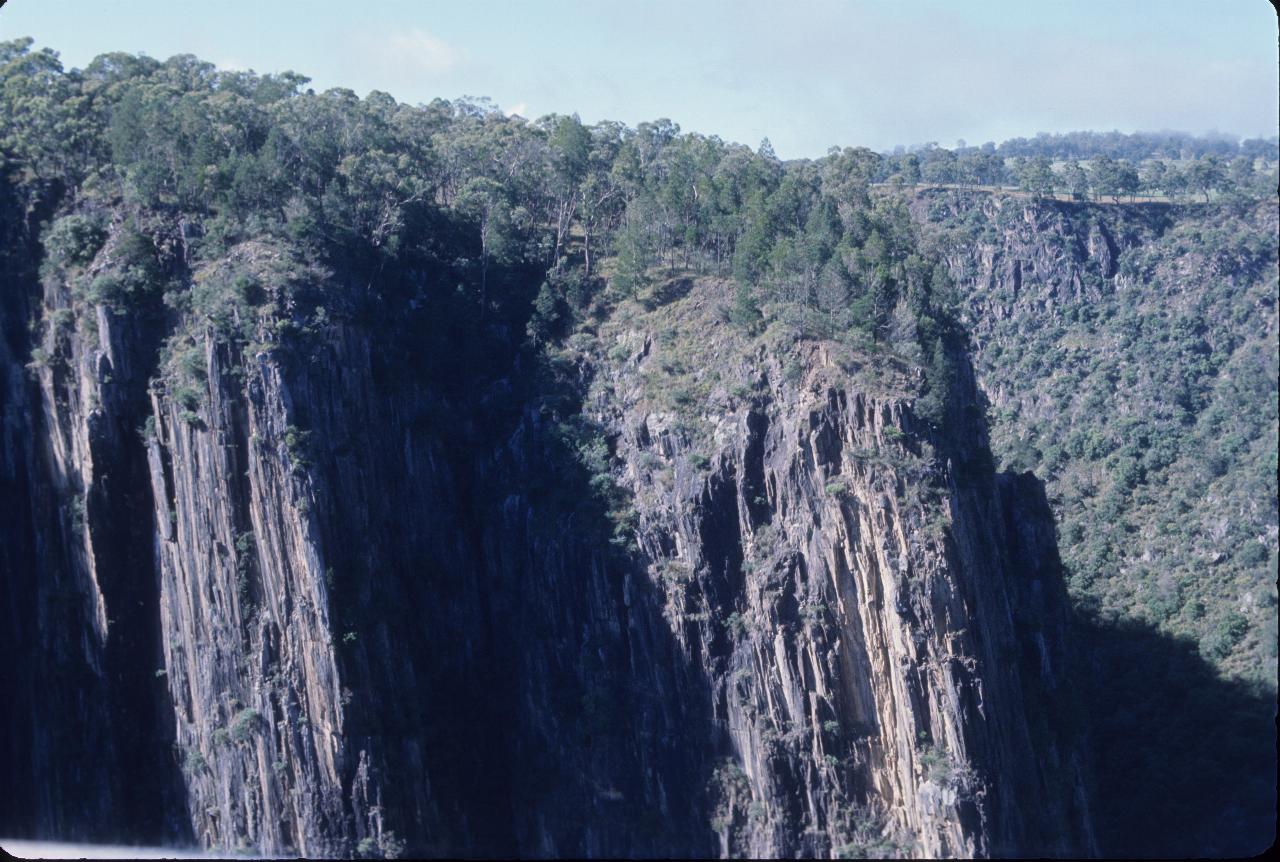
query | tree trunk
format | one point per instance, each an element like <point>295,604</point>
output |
<point>484,264</point>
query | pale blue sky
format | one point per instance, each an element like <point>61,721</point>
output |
<point>807,73</point>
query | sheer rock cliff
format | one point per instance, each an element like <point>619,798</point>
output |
<point>330,609</point>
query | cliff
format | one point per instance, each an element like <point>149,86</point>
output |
<point>880,618</point>
<point>83,700</point>
<point>662,589</point>
<point>385,478</point>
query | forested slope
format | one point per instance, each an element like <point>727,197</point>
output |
<point>1129,354</point>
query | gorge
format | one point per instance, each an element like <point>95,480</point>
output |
<point>394,481</point>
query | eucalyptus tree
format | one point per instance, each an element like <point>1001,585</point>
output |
<point>1076,180</point>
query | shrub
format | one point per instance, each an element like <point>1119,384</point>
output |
<point>186,396</point>
<point>74,240</point>
<point>675,571</point>
<point>1229,631</point>
<point>295,443</point>
<point>392,847</point>
<point>62,318</point>
<point>194,762</point>
<point>935,763</point>
<point>245,724</point>
<point>109,289</point>
<point>76,512</point>
<point>1252,553</point>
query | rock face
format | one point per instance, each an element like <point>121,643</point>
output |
<point>340,611</point>
<point>882,623</point>
<point>84,703</point>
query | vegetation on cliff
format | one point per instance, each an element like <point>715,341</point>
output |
<point>1131,358</point>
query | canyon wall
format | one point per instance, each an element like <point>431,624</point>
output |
<point>331,606</point>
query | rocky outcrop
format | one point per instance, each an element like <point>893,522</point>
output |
<point>883,625</point>
<point>86,701</point>
<point>358,612</point>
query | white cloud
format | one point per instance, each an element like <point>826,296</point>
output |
<point>520,109</point>
<point>409,63</point>
<point>419,51</point>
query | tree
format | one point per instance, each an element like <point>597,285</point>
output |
<point>635,244</point>
<point>911,169</point>
<point>1240,172</point>
<point>600,198</point>
<point>482,199</point>
<point>1205,175</point>
<point>939,166</point>
<point>1036,176</point>
<point>45,124</point>
<point>571,146</point>
<point>745,311</point>
<point>549,313</point>
<point>1153,176</point>
<point>1174,182</point>
<point>986,167</point>
<point>1104,177</point>
<point>1076,180</point>
<point>377,187</point>
<point>1127,179</point>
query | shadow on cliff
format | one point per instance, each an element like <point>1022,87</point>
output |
<point>80,715</point>
<point>624,743</point>
<point>1184,760</point>
<point>513,679</point>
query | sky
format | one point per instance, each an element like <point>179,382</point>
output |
<point>808,74</point>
